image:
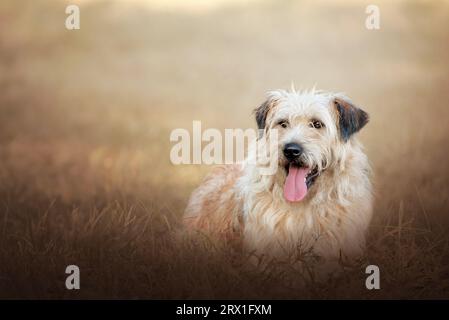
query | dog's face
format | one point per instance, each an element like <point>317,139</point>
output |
<point>310,127</point>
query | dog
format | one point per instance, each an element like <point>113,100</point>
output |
<point>318,201</point>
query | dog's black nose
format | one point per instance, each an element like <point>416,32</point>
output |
<point>292,151</point>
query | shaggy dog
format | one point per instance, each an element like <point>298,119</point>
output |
<point>318,200</point>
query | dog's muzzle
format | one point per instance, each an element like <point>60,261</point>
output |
<point>300,177</point>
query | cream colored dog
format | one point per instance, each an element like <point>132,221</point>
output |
<point>319,199</point>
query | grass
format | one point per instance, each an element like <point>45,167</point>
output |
<point>85,176</point>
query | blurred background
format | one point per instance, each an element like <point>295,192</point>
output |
<point>85,119</point>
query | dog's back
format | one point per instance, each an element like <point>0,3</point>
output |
<point>214,205</point>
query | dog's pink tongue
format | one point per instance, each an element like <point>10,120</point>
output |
<point>295,188</point>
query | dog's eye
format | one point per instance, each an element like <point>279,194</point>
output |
<point>317,124</point>
<point>283,123</point>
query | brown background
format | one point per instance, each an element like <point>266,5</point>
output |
<point>85,118</point>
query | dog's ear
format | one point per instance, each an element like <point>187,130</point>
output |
<point>351,118</point>
<point>262,112</point>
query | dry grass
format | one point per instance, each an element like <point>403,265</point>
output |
<point>85,176</point>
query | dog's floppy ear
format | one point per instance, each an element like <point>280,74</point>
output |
<point>351,118</point>
<point>262,112</point>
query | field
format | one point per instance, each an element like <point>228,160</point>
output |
<point>85,119</point>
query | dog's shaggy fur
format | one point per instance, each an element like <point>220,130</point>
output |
<point>240,202</point>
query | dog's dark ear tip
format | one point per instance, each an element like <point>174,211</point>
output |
<point>261,113</point>
<point>351,118</point>
<point>365,117</point>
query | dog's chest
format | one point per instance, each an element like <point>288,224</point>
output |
<point>272,225</point>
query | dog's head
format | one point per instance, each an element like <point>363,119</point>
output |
<point>310,126</point>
